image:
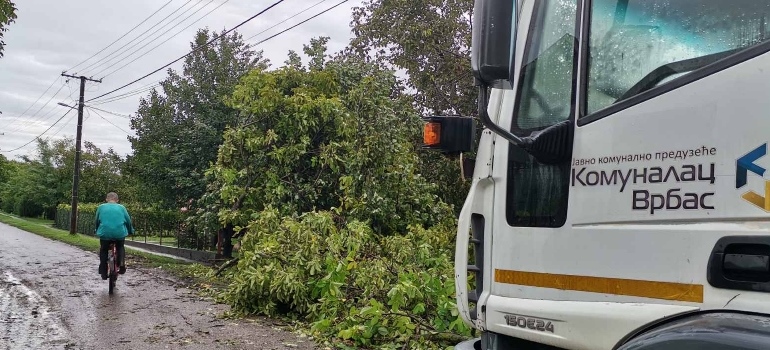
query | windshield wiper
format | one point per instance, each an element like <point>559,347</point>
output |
<point>659,74</point>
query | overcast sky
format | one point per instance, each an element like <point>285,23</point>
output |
<point>52,36</point>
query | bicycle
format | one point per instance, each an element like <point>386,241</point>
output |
<point>112,266</point>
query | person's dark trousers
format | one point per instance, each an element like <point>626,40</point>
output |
<point>104,251</point>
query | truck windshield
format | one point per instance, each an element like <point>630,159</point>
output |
<point>636,45</point>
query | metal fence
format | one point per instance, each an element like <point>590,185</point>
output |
<point>162,228</point>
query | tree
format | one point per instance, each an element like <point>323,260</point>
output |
<point>4,169</point>
<point>27,190</point>
<point>99,170</point>
<point>342,230</point>
<point>335,134</point>
<point>179,130</point>
<point>32,187</point>
<point>7,16</point>
<point>36,185</point>
<point>430,40</point>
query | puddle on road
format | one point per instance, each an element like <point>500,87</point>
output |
<point>25,318</point>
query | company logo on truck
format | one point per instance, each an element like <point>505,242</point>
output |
<point>747,164</point>
<point>658,187</point>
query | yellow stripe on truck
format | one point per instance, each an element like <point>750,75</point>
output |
<point>616,286</point>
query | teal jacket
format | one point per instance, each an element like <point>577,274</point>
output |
<point>113,221</point>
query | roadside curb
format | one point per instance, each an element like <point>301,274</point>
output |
<point>173,252</point>
<point>131,246</point>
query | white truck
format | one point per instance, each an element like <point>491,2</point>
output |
<point>619,196</point>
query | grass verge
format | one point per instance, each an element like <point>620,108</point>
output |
<point>191,272</point>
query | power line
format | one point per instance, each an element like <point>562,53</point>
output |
<point>63,126</point>
<point>286,19</point>
<point>34,103</point>
<point>22,126</point>
<point>113,113</point>
<point>88,116</point>
<point>300,23</point>
<point>65,123</point>
<point>122,55</point>
<point>122,36</point>
<point>156,38</point>
<point>145,89</point>
<point>137,37</point>
<point>192,51</point>
<point>51,112</point>
<point>152,86</point>
<point>44,117</point>
<point>105,101</point>
<point>123,97</point>
<point>66,83</point>
<point>113,124</point>
<point>41,96</point>
<point>165,41</point>
<point>41,134</point>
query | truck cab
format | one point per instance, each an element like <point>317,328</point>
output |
<point>619,198</point>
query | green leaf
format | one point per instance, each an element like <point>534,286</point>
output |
<point>418,309</point>
<point>345,333</point>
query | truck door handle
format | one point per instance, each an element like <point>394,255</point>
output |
<point>740,263</point>
<point>746,263</point>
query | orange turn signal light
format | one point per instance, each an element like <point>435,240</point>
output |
<point>431,135</point>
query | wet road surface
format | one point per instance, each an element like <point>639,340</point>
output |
<point>51,297</point>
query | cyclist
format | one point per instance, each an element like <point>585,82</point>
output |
<point>113,224</point>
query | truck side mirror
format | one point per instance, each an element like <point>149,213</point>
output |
<point>492,55</point>
<point>492,41</point>
<point>492,59</point>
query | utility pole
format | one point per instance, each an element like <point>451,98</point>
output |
<point>76,175</point>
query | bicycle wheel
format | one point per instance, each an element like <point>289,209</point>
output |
<point>112,282</point>
<point>111,271</point>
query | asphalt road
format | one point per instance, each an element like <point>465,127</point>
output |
<point>51,297</point>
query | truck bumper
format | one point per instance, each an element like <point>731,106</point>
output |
<point>471,344</point>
